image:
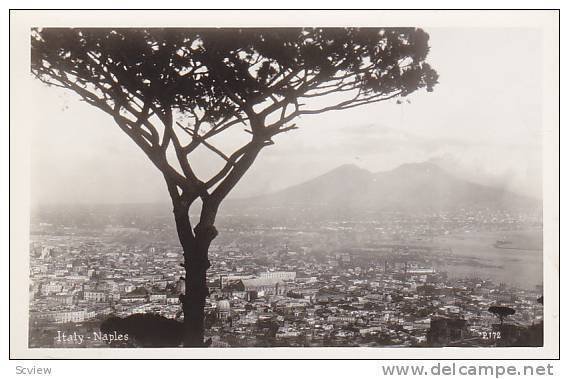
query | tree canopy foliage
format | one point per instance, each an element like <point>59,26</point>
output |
<point>501,311</point>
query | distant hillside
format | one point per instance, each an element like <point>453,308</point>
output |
<point>417,186</point>
<point>345,191</point>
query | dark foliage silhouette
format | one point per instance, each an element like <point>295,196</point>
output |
<point>501,312</point>
<point>146,329</point>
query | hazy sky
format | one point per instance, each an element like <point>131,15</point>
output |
<point>482,122</point>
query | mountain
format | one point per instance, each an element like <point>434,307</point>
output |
<point>409,187</point>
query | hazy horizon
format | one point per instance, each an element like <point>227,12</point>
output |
<point>166,200</point>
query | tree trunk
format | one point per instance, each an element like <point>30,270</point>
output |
<point>193,302</point>
<point>196,263</point>
<point>195,244</point>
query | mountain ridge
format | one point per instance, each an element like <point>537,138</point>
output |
<point>410,186</point>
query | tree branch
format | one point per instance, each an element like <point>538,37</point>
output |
<point>197,140</point>
<point>238,169</point>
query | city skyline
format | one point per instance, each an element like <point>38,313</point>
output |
<point>397,280</point>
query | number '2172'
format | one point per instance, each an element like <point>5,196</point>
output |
<point>490,335</point>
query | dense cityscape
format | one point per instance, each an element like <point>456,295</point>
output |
<point>381,282</point>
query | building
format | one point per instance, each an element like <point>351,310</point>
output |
<point>138,295</point>
<point>172,299</point>
<point>65,299</point>
<point>223,309</point>
<point>97,296</point>
<point>265,286</point>
<point>158,297</point>
<point>60,317</point>
<point>342,319</point>
<point>421,271</point>
<point>50,288</point>
<point>281,275</point>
